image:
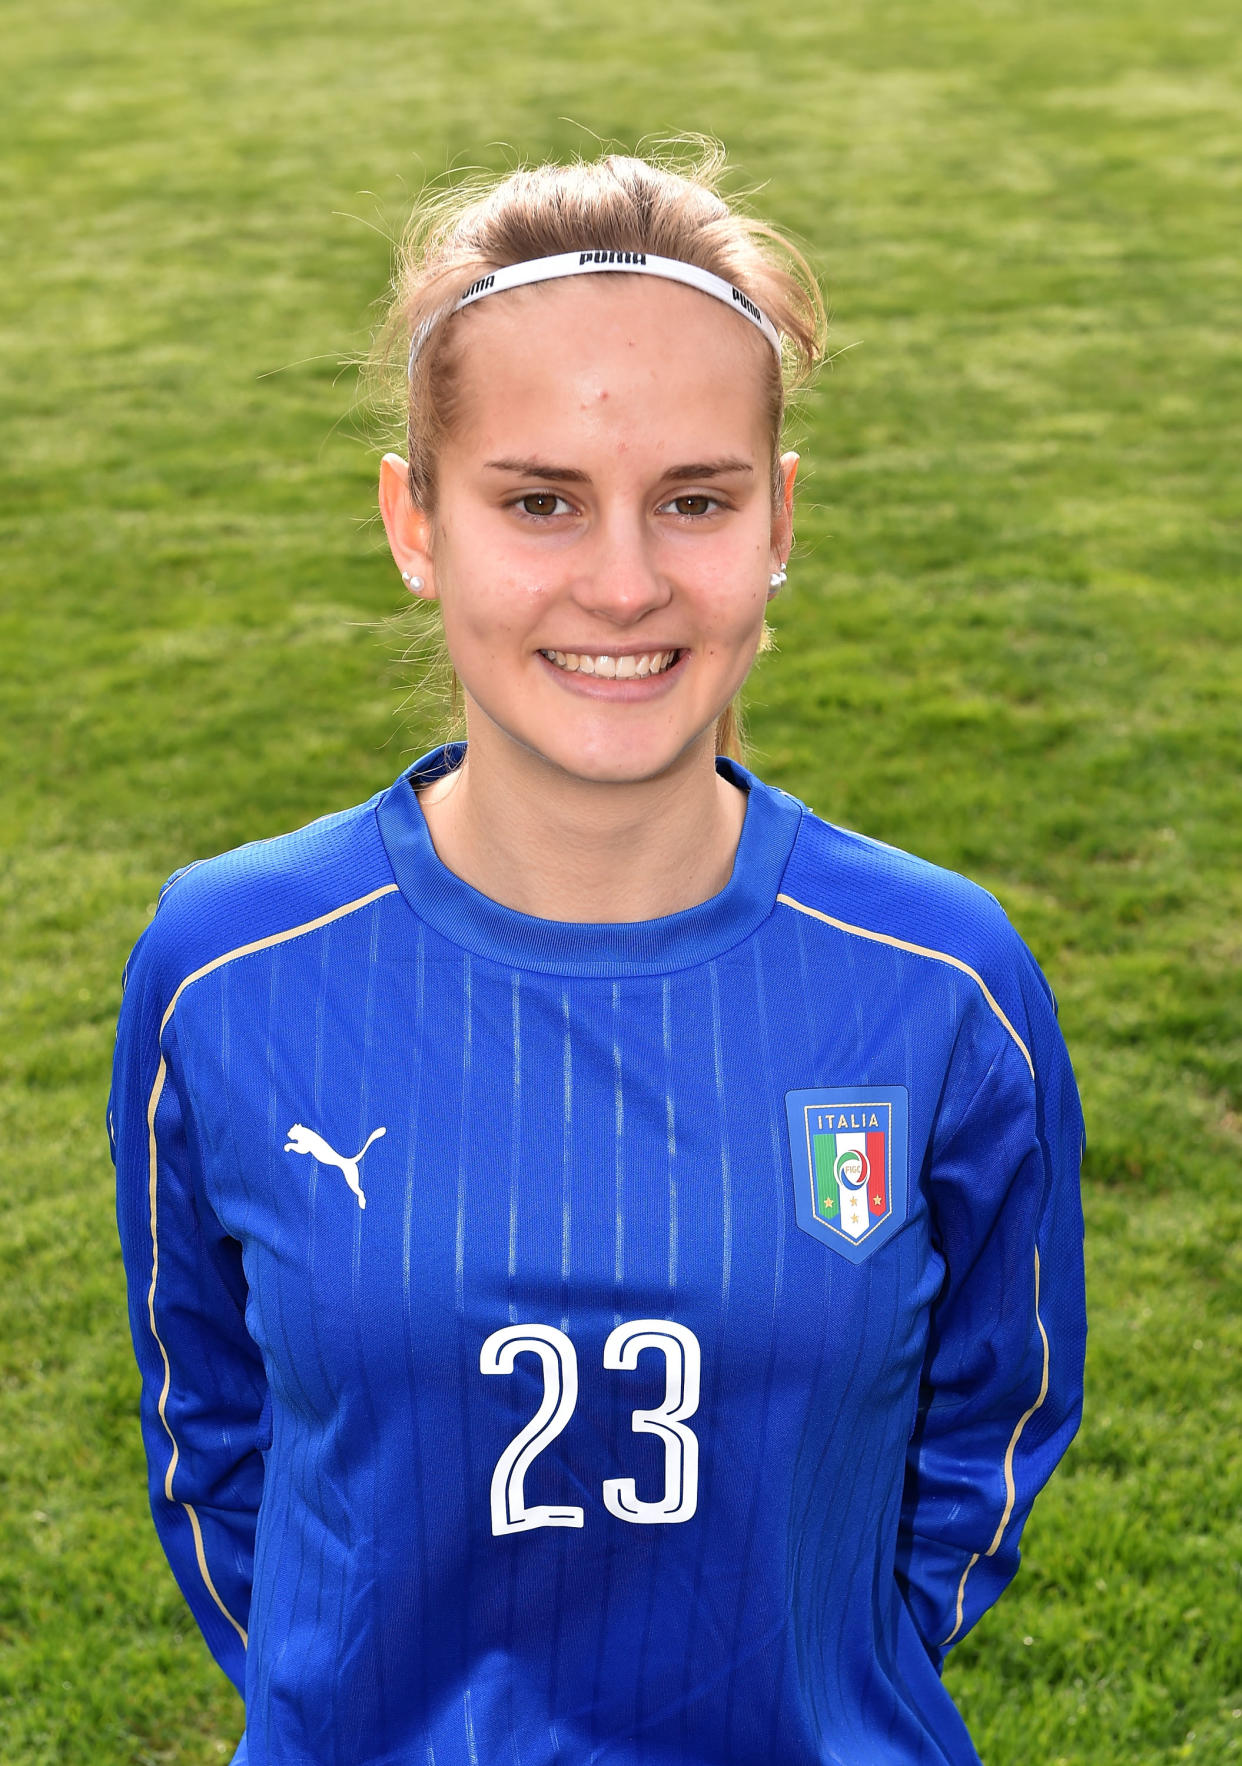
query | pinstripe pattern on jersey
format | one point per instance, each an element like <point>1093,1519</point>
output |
<point>157,1089</point>
<point>764,1046</point>
<point>415,1159</point>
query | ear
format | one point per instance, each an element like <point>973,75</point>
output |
<point>408,527</point>
<point>782,514</point>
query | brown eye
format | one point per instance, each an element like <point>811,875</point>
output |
<point>539,503</point>
<point>695,503</point>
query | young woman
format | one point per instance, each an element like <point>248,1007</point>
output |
<point>604,1244</point>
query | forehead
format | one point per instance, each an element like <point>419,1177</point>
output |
<point>612,356</point>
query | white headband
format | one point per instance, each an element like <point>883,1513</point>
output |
<point>585,263</point>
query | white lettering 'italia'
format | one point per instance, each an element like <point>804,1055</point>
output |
<point>305,1140</point>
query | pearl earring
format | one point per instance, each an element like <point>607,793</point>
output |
<point>777,580</point>
<point>411,582</point>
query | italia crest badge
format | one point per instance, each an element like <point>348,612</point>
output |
<point>848,1146</point>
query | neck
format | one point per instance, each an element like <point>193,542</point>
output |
<point>543,842</point>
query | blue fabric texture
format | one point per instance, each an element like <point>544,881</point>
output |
<point>522,1377</point>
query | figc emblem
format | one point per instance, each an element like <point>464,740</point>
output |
<point>848,1147</point>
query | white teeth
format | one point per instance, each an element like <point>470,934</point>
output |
<point>621,668</point>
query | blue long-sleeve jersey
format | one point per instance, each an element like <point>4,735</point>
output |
<point>628,1343</point>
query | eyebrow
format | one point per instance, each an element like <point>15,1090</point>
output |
<point>571,475</point>
<point>710,469</point>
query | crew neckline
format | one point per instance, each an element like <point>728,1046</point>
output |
<point>474,921</point>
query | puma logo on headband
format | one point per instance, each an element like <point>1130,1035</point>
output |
<point>611,257</point>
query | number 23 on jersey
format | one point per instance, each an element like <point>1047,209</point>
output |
<point>559,1360</point>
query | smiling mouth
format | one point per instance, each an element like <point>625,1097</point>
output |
<point>614,668</point>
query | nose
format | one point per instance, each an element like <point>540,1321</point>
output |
<point>619,579</point>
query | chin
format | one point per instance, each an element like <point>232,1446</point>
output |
<point>618,762</point>
<point>620,769</point>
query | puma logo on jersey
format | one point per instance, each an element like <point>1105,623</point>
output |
<point>305,1140</point>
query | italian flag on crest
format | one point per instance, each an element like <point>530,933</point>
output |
<point>849,1154</point>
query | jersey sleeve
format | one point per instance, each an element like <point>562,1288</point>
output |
<point>204,1407</point>
<point>1002,1382</point>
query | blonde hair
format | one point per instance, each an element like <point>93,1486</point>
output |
<point>617,202</point>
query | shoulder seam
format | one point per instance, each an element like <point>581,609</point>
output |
<point>245,950</point>
<point>177,876</point>
<point>157,1088</point>
<point>918,950</point>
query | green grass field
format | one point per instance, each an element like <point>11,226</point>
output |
<point>1011,644</point>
